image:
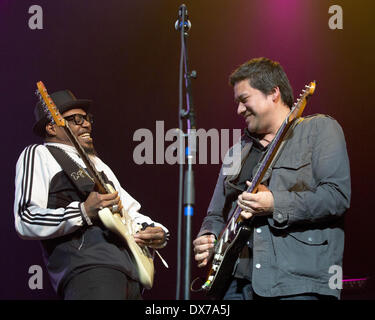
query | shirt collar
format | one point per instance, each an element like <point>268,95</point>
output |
<point>62,146</point>
<point>255,139</point>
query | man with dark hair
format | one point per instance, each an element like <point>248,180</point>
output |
<point>297,220</point>
<point>83,258</point>
<point>265,75</point>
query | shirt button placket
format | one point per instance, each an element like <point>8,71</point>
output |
<point>258,231</point>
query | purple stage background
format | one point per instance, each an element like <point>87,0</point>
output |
<point>124,55</point>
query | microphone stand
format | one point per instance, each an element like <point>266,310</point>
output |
<point>183,25</point>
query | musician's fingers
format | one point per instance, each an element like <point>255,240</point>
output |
<point>203,247</point>
<point>247,196</point>
<point>200,256</point>
<point>156,245</point>
<point>204,240</point>
<point>203,263</point>
<point>153,237</point>
<point>246,214</point>
<point>249,199</point>
<point>151,233</point>
<point>248,205</point>
<point>242,206</point>
<point>144,236</point>
<point>146,243</point>
<point>107,196</point>
<point>140,242</point>
<point>110,203</point>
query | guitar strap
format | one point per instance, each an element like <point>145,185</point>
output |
<point>76,174</point>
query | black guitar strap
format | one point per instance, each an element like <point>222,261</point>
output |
<point>77,175</point>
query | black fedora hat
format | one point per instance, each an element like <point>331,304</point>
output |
<point>64,101</point>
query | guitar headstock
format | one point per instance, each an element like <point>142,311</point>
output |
<point>300,104</point>
<point>310,89</point>
<point>48,105</point>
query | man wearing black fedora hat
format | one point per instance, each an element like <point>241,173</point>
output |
<point>83,258</point>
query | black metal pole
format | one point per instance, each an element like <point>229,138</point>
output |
<point>183,25</point>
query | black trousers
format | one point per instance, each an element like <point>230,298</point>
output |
<point>102,283</point>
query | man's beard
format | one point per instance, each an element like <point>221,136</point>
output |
<point>90,150</point>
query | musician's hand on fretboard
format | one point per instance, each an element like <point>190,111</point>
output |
<point>256,204</point>
<point>97,201</point>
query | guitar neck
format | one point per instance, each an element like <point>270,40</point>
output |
<point>273,149</point>
<point>99,182</point>
<point>270,155</point>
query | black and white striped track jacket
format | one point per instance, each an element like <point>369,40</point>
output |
<point>47,207</point>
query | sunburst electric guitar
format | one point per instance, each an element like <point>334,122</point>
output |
<point>118,222</point>
<point>237,231</point>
